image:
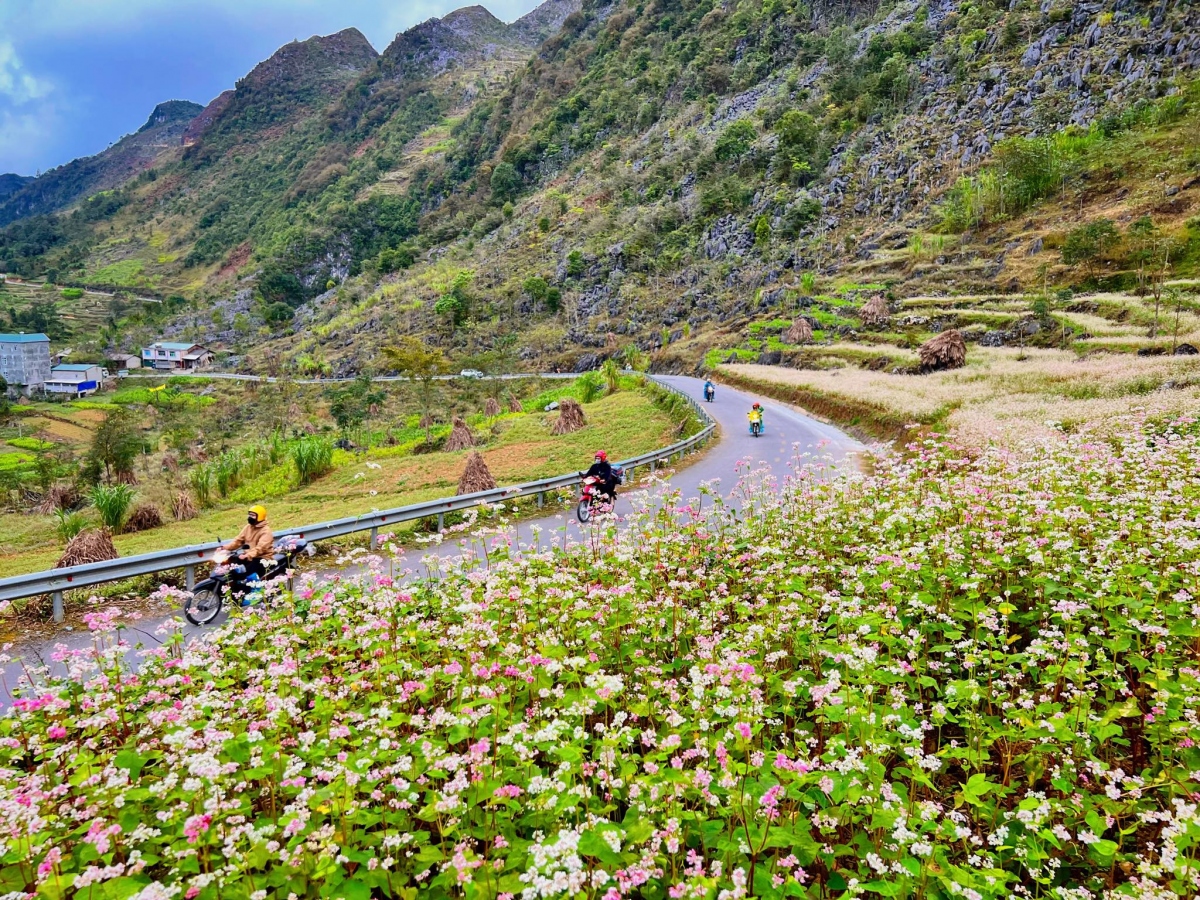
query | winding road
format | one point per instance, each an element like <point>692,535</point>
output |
<point>789,435</point>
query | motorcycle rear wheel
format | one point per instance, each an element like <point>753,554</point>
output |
<point>203,606</point>
<point>584,511</point>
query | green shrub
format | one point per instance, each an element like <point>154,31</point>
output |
<point>112,502</point>
<point>313,457</point>
<point>72,293</point>
<point>68,524</point>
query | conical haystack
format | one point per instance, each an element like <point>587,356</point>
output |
<point>491,407</point>
<point>460,436</point>
<point>875,312</point>
<point>476,476</point>
<point>90,546</point>
<point>610,341</point>
<point>183,507</point>
<point>143,518</point>
<point>60,496</point>
<point>570,417</point>
<point>800,333</point>
<point>514,405</point>
<point>947,350</point>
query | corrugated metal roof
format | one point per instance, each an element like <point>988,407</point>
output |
<point>73,367</point>
<point>23,338</point>
<point>171,345</point>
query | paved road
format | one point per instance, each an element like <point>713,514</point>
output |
<point>788,436</point>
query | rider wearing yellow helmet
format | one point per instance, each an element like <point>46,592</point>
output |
<point>254,542</point>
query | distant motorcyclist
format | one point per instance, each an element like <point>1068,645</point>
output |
<point>756,416</point>
<point>709,390</point>
<point>603,472</point>
<point>254,543</point>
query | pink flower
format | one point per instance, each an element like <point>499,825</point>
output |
<point>53,858</point>
<point>57,732</point>
<point>195,826</point>
<point>510,791</point>
<point>743,728</point>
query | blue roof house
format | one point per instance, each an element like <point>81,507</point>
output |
<point>25,359</point>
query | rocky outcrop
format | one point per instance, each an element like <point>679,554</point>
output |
<point>206,118</point>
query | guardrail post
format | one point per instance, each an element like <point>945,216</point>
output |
<point>58,606</point>
<point>374,538</point>
<point>189,577</point>
<point>541,497</point>
<point>441,522</point>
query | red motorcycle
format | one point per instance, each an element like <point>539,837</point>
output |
<point>593,499</point>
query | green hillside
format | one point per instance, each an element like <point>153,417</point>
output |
<point>650,171</point>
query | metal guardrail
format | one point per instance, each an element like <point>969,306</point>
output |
<point>55,581</point>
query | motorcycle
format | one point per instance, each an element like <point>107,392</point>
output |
<point>593,500</point>
<point>209,596</point>
<point>756,426</point>
<point>709,393</point>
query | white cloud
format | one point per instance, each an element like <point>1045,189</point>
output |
<point>24,138</point>
<point>18,85</point>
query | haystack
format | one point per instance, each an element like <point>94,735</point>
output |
<point>875,312</point>
<point>127,477</point>
<point>60,496</point>
<point>610,341</point>
<point>90,546</point>
<point>570,417</point>
<point>144,517</point>
<point>491,407</point>
<point>947,350</point>
<point>476,476</point>
<point>800,333</point>
<point>183,507</point>
<point>460,436</point>
<point>514,405</point>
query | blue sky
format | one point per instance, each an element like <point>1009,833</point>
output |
<point>75,75</point>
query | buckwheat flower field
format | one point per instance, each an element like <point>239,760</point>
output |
<point>965,675</point>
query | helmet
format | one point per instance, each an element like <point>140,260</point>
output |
<point>757,406</point>
<point>602,456</point>
<point>259,513</point>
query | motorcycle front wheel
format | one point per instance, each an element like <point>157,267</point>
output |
<point>203,606</point>
<point>584,511</point>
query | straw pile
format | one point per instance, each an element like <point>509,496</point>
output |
<point>183,507</point>
<point>800,333</point>
<point>514,405</point>
<point>90,546</point>
<point>476,476</point>
<point>491,407</point>
<point>144,517</point>
<point>60,496</point>
<point>947,350</point>
<point>875,312</point>
<point>570,417</point>
<point>460,436</point>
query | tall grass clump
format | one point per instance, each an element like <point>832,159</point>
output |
<point>589,387</point>
<point>68,523</point>
<point>112,502</point>
<point>313,457</point>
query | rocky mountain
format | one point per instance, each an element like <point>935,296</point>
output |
<point>68,184</point>
<point>11,182</point>
<point>645,169</point>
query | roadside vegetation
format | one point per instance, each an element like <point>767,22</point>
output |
<point>200,450</point>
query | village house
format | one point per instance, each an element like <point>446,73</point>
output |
<point>76,379</point>
<point>25,359</point>
<point>176,356</point>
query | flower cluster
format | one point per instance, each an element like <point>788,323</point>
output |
<point>964,675</point>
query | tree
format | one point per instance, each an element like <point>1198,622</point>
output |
<point>422,364</point>
<point>575,264</point>
<point>735,141</point>
<point>1088,243</point>
<point>506,182</point>
<point>278,286</point>
<point>797,135</point>
<point>351,405</point>
<point>116,444</point>
<point>1143,234</point>
<point>278,313</point>
<point>455,304</point>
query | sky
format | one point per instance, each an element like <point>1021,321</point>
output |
<point>76,75</point>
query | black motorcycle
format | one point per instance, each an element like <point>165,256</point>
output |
<point>709,392</point>
<point>209,596</point>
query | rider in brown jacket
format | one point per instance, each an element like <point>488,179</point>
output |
<point>254,542</point>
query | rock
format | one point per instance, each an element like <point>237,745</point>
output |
<point>1151,351</point>
<point>1186,350</point>
<point>1171,190</point>
<point>551,406</point>
<point>993,339</point>
<point>770,358</point>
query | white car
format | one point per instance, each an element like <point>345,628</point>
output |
<point>471,373</point>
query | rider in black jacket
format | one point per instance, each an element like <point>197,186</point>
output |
<point>602,470</point>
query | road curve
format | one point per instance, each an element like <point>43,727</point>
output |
<point>789,435</point>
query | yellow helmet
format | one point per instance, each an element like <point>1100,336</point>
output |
<point>260,513</point>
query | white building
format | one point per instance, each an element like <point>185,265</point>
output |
<point>25,359</point>
<point>175,356</point>
<point>77,379</point>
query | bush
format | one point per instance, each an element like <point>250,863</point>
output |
<point>67,524</point>
<point>72,293</point>
<point>313,457</point>
<point>112,503</point>
<point>735,141</point>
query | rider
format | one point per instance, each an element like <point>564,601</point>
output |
<point>709,390</point>
<point>604,472</point>
<point>756,414</point>
<point>254,543</point>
